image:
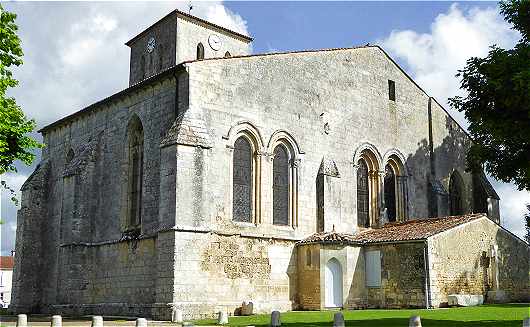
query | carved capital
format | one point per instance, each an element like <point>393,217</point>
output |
<point>295,163</point>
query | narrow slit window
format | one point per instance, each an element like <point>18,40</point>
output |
<point>391,90</point>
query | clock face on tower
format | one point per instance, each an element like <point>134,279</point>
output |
<point>214,41</point>
<point>151,44</point>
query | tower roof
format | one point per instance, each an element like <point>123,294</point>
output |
<point>184,15</point>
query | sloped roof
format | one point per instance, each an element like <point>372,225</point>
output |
<point>329,238</point>
<point>192,18</point>
<point>412,230</point>
<point>7,262</point>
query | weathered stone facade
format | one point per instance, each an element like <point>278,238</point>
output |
<point>479,258</point>
<point>131,210</point>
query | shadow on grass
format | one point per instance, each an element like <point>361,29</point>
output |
<point>508,305</point>
<point>396,322</point>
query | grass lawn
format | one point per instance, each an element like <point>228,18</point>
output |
<point>485,315</point>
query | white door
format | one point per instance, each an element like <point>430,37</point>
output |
<point>333,284</point>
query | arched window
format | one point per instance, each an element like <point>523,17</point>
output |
<point>456,194</point>
<point>390,193</point>
<point>135,171</point>
<point>70,155</point>
<point>242,180</point>
<point>308,257</point>
<point>395,187</point>
<point>227,54</point>
<point>280,186</point>
<point>200,51</point>
<point>363,195</point>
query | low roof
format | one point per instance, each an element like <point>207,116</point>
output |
<point>7,262</point>
<point>412,230</point>
<point>419,229</point>
<point>330,238</point>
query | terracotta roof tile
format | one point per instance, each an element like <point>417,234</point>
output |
<point>329,238</point>
<point>411,230</point>
<point>7,262</point>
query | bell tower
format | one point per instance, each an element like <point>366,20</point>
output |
<point>180,37</point>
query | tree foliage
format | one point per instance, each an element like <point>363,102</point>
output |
<point>15,144</point>
<point>497,104</point>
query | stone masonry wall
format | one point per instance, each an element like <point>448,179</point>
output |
<point>402,276</point>
<point>219,272</point>
<point>113,279</point>
<point>308,271</point>
<point>144,64</point>
<point>86,254</point>
<point>450,145</point>
<point>191,32</point>
<point>330,102</point>
<point>463,261</point>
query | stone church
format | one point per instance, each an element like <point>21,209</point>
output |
<point>301,180</point>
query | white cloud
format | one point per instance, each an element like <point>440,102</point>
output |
<point>434,58</point>
<point>222,16</point>
<point>74,55</point>
<point>455,36</point>
<point>86,59</point>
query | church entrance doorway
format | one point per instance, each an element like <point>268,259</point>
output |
<point>333,280</point>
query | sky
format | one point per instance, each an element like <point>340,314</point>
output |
<point>75,53</point>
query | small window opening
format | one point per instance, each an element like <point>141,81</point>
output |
<point>227,54</point>
<point>391,90</point>
<point>200,51</point>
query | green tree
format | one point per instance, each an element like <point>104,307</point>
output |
<point>15,144</point>
<point>497,104</point>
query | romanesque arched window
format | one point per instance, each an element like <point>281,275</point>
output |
<point>280,186</point>
<point>390,193</point>
<point>456,194</point>
<point>395,187</point>
<point>368,188</point>
<point>135,137</point>
<point>242,180</point>
<point>227,54</point>
<point>363,195</point>
<point>200,51</point>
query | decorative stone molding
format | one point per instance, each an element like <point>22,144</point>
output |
<point>188,130</point>
<point>328,167</point>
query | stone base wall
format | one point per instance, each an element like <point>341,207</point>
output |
<point>216,272</point>
<point>479,258</point>
<point>402,277</point>
<point>309,290</point>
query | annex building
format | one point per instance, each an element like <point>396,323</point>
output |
<point>301,180</point>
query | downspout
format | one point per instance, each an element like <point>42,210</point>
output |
<point>427,282</point>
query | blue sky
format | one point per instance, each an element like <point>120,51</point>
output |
<point>75,53</point>
<point>289,26</point>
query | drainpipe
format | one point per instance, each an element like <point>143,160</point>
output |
<point>427,282</point>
